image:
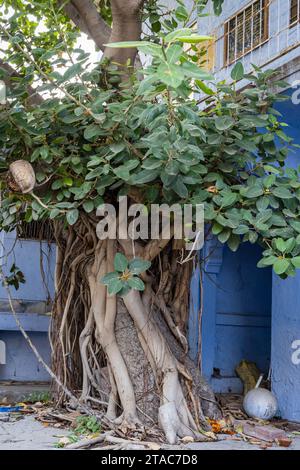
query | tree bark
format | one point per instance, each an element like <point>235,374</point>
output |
<point>86,17</point>
<point>152,382</point>
<point>139,340</point>
<point>33,97</point>
<point>127,26</point>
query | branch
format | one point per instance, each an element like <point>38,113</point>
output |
<point>155,247</point>
<point>69,394</point>
<point>127,26</point>
<point>33,97</point>
<point>86,17</point>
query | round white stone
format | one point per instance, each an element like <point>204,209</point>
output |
<point>261,404</point>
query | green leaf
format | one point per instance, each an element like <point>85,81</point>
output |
<point>186,35</point>
<point>234,242</point>
<point>44,152</point>
<point>72,71</point>
<point>54,213</point>
<point>280,245</point>
<point>228,199</point>
<point>57,184</point>
<point>282,192</point>
<point>296,262</point>
<point>170,74</point>
<point>173,53</point>
<point>191,70</point>
<point>224,236</point>
<point>194,39</point>
<point>269,181</point>
<point>268,261</point>
<point>138,266</point>
<point>120,262</point>
<point>203,87</point>
<point>136,283</point>
<point>174,35</point>
<point>281,266</point>
<point>72,216</point>
<point>144,176</point>
<point>296,225</point>
<point>224,122</point>
<point>109,277</point>
<point>218,6</point>
<point>114,286</point>
<point>253,237</point>
<point>254,191</point>
<point>237,72</point>
<point>88,206</point>
<point>67,181</point>
<point>241,229</point>
<point>181,13</point>
<point>217,228</point>
<point>128,44</point>
<point>180,188</point>
<point>92,131</point>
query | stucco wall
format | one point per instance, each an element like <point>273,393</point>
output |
<point>32,302</point>
<point>282,46</point>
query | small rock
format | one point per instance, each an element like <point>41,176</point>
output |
<point>4,417</point>
<point>284,442</point>
<point>64,441</point>
<point>264,433</point>
<point>187,439</point>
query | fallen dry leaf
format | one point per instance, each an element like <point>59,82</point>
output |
<point>64,440</point>
<point>187,439</point>
<point>153,446</point>
<point>284,442</point>
<point>265,446</point>
<point>221,427</point>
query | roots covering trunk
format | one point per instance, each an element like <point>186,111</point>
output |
<point>128,356</point>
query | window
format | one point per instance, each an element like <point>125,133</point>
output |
<point>246,30</point>
<point>41,231</point>
<point>204,50</point>
<point>295,8</point>
<point>207,51</point>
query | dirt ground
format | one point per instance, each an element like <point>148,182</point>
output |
<point>28,433</point>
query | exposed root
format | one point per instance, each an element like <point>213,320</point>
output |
<point>85,342</point>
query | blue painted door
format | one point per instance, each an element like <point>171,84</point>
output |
<point>243,316</point>
<point>236,315</point>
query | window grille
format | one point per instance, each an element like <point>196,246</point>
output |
<point>294,13</point>
<point>246,30</point>
<point>35,230</point>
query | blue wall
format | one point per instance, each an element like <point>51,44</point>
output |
<point>286,308</point>
<point>32,302</point>
<point>285,334</point>
<point>243,312</point>
<point>238,300</point>
<point>236,317</point>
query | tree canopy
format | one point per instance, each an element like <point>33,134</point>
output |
<point>88,141</point>
<point>76,132</point>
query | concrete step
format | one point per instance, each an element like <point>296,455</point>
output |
<point>17,392</point>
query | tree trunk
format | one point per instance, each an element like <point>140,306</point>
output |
<point>130,353</point>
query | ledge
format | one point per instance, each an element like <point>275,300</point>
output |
<point>30,322</point>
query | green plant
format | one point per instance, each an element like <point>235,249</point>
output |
<point>34,397</point>
<point>96,131</point>
<point>15,278</point>
<point>125,276</point>
<point>87,425</point>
